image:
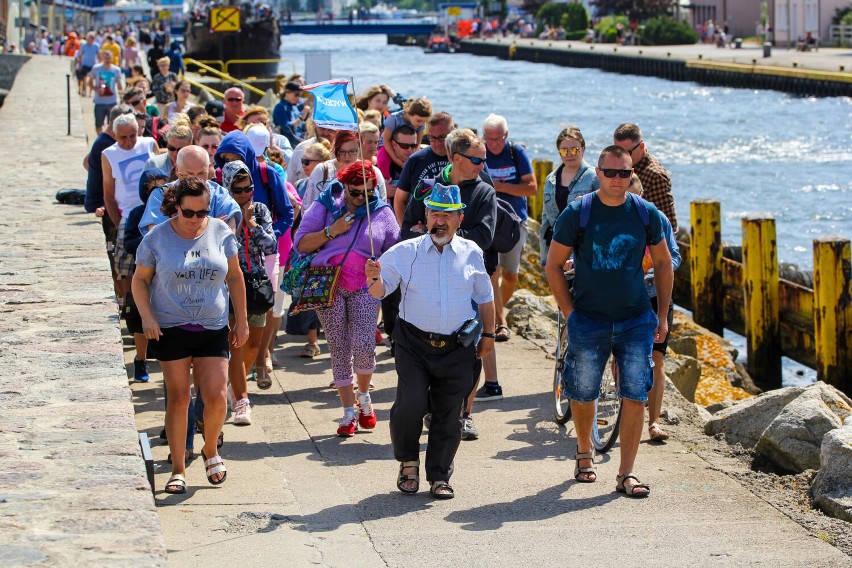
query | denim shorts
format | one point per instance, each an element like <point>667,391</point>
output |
<point>590,343</point>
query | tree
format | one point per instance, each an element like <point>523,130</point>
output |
<point>634,9</point>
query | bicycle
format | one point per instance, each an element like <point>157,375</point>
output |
<point>608,404</point>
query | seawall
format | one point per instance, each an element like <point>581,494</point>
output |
<point>73,485</point>
<point>674,65</point>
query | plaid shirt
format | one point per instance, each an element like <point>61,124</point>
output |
<point>657,186</point>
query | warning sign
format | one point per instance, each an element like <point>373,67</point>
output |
<point>225,19</point>
<point>164,15</point>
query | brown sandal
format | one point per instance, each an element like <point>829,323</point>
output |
<point>585,471</point>
<point>441,490</point>
<point>630,491</point>
<point>404,477</point>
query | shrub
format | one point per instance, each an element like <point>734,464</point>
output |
<point>575,18</point>
<point>551,14</point>
<point>666,31</point>
<point>606,27</point>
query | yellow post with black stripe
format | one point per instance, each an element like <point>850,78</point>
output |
<point>705,263</point>
<point>541,169</point>
<point>833,311</point>
<point>760,292</point>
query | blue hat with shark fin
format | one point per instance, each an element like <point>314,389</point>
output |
<point>444,198</point>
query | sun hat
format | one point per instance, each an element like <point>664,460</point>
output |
<point>444,198</point>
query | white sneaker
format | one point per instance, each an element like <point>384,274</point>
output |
<point>242,413</point>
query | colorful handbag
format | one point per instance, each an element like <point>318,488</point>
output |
<point>294,278</point>
<point>320,285</point>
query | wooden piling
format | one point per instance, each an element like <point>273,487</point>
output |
<point>760,292</point>
<point>833,311</point>
<point>541,169</point>
<point>705,263</point>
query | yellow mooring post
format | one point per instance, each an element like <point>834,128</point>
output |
<point>705,264</point>
<point>760,291</point>
<point>541,169</point>
<point>833,311</point>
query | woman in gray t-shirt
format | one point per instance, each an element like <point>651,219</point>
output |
<point>185,269</point>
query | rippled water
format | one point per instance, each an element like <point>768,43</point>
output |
<point>755,151</point>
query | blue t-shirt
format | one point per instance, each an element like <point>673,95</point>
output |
<point>106,81</point>
<point>422,164</point>
<point>609,280</point>
<point>89,54</point>
<point>501,167</point>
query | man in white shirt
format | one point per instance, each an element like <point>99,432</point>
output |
<point>439,274</point>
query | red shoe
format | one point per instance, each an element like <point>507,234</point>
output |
<point>379,339</point>
<point>348,427</point>
<point>366,417</point>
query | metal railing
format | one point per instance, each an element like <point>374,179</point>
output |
<point>224,76</point>
<point>204,87</point>
<point>250,61</point>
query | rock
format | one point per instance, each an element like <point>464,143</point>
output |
<point>670,416</point>
<point>684,346</point>
<point>703,413</point>
<point>793,439</point>
<point>742,379</point>
<point>717,406</point>
<point>832,488</point>
<point>684,372</point>
<point>745,422</point>
<point>531,317</point>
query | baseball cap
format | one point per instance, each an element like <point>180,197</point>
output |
<point>258,136</point>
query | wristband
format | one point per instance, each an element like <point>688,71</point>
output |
<point>327,232</point>
<point>489,335</point>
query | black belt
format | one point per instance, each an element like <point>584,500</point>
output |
<point>435,340</point>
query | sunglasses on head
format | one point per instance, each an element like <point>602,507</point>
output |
<point>611,173</point>
<point>234,100</point>
<point>473,159</point>
<point>239,190</point>
<point>574,151</point>
<point>189,213</point>
<point>405,146</point>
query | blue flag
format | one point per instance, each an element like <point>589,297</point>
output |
<point>332,108</point>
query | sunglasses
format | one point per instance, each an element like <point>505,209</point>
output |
<point>633,149</point>
<point>473,159</point>
<point>189,213</point>
<point>308,161</point>
<point>239,190</point>
<point>405,146</point>
<point>611,173</point>
<point>210,146</point>
<point>172,149</point>
<point>136,102</point>
<point>574,151</point>
<point>234,100</point>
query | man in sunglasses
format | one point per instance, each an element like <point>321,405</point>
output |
<point>656,182</point>
<point>234,109</point>
<point>136,99</point>
<point>404,141</point>
<point>609,311</point>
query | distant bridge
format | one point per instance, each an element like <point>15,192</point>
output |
<point>385,27</point>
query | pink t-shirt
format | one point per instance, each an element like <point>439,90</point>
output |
<point>383,162</point>
<point>352,275</point>
<point>285,241</point>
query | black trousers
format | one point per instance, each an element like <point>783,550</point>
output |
<point>390,311</point>
<point>430,380</point>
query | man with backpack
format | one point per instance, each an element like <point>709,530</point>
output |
<point>609,312</point>
<point>511,170</point>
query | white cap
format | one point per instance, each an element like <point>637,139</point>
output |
<point>258,135</point>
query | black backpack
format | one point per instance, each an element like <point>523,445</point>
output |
<point>507,228</point>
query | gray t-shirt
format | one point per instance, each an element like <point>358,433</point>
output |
<point>189,279</point>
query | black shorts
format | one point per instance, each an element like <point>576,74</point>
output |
<point>82,72</point>
<point>490,257</point>
<point>176,343</point>
<point>661,347</point>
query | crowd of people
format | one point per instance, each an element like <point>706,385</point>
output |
<point>210,213</point>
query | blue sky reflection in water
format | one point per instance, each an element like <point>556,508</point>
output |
<point>754,151</point>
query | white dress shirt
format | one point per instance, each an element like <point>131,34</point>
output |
<point>437,287</point>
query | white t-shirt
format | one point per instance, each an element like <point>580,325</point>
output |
<point>127,166</point>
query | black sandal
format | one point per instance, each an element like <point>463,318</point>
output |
<point>631,490</point>
<point>446,492</point>
<point>501,337</point>
<point>403,477</point>
<point>585,471</point>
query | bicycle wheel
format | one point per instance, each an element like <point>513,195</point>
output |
<point>607,410</point>
<point>562,404</point>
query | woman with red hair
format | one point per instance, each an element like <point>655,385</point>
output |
<point>344,151</point>
<point>337,230</point>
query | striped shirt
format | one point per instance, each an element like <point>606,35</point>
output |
<point>657,186</point>
<point>437,287</point>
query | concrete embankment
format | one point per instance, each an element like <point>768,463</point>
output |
<point>73,486</point>
<point>816,74</point>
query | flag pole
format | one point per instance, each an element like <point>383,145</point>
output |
<point>364,177</point>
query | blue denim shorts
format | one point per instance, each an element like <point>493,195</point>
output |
<point>590,343</point>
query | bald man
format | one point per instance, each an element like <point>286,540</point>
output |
<point>193,161</point>
<point>234,109</point>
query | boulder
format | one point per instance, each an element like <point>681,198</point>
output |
<point>684,346</point>
<point>832,488</point>
<point>745,422</point>
<point>717,406</point>
<point>703,413</point>
<point>531,316</point>
<point>684,372</point>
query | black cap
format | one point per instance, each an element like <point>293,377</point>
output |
<point>215,108</point>
<point>292,86</point>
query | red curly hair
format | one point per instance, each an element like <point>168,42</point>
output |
<point>358,173</point>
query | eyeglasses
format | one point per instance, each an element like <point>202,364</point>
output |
<point>611,173</point>
<point>405,146</point>
<point>574,151</point>
<point>437,138</point>
<point>500,139</point>
<point>348,152</point>
<point>172,148</point>
<point>234,99</point>
<point>473,159</point>
<point>210,146</point>
<point>239,190</point>
<point>308,161</point>
<point>189,213</point>
<point>186,91</point>
<point>633,149</point>
<point>136,102</point>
